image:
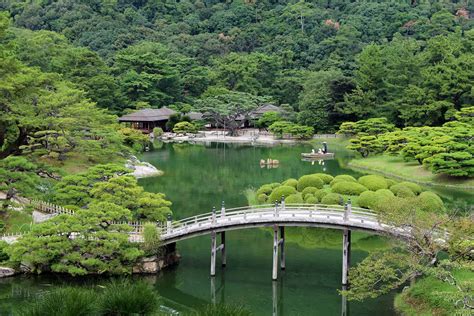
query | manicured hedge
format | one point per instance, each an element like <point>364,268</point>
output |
<point>390,182</point>
<point>415,188</point>
<point>277,193</point>
<point>265,189</point>
<point>310,181</point>
<point>367,199</point>
<point>321,193</point>
<point>262,198</point>
<point>327,178</point>
<point>307,190</point>
<point>384,193</point>
<point>291,182</point>
<point>296,198</point>
<point>373,182</point>
<point>348,188</point>
<point>274,185</point>
<point>342,178</point>
<point>332,199</point>
<point>401,190</point>
<point>311,200</point>
<point>430,202</point>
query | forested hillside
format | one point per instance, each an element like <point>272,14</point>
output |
<point>331,60</point>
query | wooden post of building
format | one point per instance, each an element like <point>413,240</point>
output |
<point>282,245</point>
<point>223,250</point>
<point>213,253</point>
<point>275,253</point>
<point>346,255</point>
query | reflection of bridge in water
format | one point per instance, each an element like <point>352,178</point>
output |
<point>278,216</point>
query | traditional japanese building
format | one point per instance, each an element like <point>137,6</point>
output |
<point>147,119</point>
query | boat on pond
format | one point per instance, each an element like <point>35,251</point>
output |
<point>317,156</point>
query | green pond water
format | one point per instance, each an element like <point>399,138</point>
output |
<point>198,177</point>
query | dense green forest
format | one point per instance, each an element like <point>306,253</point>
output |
<point>331,60</point>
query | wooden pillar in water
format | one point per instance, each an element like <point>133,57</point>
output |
<point>282,245</point>
<point>275,253</point>
<point>346,255</point>
<point>213,253</point>
<point>223,250</point>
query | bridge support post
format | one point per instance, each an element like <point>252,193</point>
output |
<point>282,246</point>
<point>223,250</point>
<point>213,253</point>
<point>346,256</point>
<point>275,253</point>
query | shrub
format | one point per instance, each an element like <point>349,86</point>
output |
<point>307,196</point>
<point>321,193</point>
<point>402,191</point>
<point>384,193</point>
<point>348,188</point>
<point>3,254</point>
<point>341,178</point>
<point>367,199</point>
<point>332,199</point>
<point>415,188</point>
<point>373,182</point>
<point>430,202</point>
<point>151,240</point>
<point>265,189</point>
<point>327,178</point>
<point>310,181</point>
<point>291,182</point>
<point>274,185</point>
<point>309,190</point>
<point>2,226</point>
<point>390,182</point>
<point>126,298</point>
<point>296,198</point>
<point>279,192</point>
<point>157,131</point>
<point>311,200</point>
<point>184,127</point>
<point>66,301</point>
<point>262,198</point>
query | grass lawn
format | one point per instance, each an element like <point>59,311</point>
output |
<point>430,296</point>
<point>411,171</point>
<point>16,222</point>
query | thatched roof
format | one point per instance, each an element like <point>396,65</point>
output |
<point>153,115</point>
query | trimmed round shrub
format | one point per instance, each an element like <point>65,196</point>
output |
<point>342,178</point>
<point>332,199</point>
<point>390,182</point>
<point>262,198</point>
<point>321,193</point>
<point>327,178</point>
<point>309,196</point>
<point>309,190</point>
<point>430,202</point>
<point>373,182</point>
<point>265,189</point>
<point>385,193</point>
<point>415,188</point>
<point>274,185</point>
<point>367,199</point>
<point>290,182</point>
<point>348,188</point>
<point>310,181</point>
<point>402,191</point>
<point>277,193</point>
<point>311,200</point>
<point>296,198</point>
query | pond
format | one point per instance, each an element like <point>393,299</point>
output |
<point>198,177</point>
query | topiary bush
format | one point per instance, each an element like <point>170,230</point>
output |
<point>308,196</point>
<point>296,198</point>
<point>311,200</point>
<point>402,191</point>
<point>327,178</point>
<point>332,199</point>
<point>277,193</point>
<point>309,181</point>
<point>262,198</point>
<point>384,193</point>
<point>430,202</point>
<point>348,188</point>
<point>321,193</point>
<point>265,189</point>
<point>390,182</point>
<point>367,199</point>
<point>342,178</point>
<point>157,131</point>
<point>309,190</point>
<point>415,188</point>
<point>274,185</point>
<point>291,182</point>
<point>373,182</point>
